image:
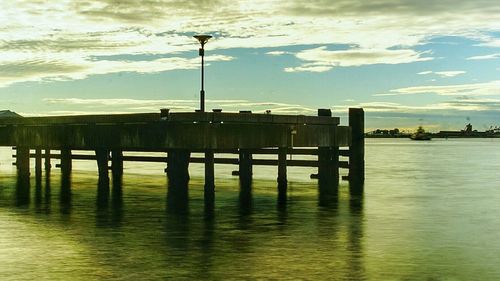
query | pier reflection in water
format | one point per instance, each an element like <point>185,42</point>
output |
<point>408,225</point>
<point>128,231</point>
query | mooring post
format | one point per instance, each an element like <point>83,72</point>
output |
<point>38,162</point>
<point>326,159</point>
<point>66,164</point>
<point>102,156</point>
<point>209,176</point>
<point>245,166</point>
<point>117,162</point>
<point>335,163</point>
<point>178,166</point>
<point>23,160</point>
<point>357,148</point>
<point>282,179</point>
<point>47,160</point>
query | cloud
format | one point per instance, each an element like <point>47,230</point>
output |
<point>77,34</point>
<point>320,59</point>
<point>449,73</point>
<point>485,57</point>
<point>447,107</point>
<point>44,70</point>
<point>444,74</point>
<point>136,105</point>
<point>278,53</point>
<point>425,72</point>
<point>491,88</point>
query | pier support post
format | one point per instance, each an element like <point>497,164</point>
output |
<point>357,148</point>
<point>47,160</point>
<point>102,156</point>
<point>117,163</point>
<point>23,161</point>
<point>282,178</point>
<point>335,164</point>
<point>245,166</point>
<point>327,163</point>
<point>38,163</point>
<point>209,177</point>
<point>66,163</point>
<point>326,171</point>
<point>178,166</point>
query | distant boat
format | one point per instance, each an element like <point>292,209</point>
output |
<point>420,134</point>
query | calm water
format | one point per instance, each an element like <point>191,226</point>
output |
<point>430,211</point>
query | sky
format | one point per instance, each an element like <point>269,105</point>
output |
<point>434,63</point>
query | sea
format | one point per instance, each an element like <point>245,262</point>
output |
<point>429,211</point>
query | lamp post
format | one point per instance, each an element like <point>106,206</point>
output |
<point>203,40</point>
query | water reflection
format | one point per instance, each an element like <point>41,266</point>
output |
<point>109,215</point>
<point>117,201</point>
<point>341,228</point>
<point>22,197</point>
<point>177,197</point>
<point>356,238</point>
<point>65,194</point>
<point>327,194</point>
<point>177,220</point>
<point>245,199</point>
<point>102,198</point>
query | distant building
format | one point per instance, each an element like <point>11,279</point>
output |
<point>384,133</point>
<point>8,113</point>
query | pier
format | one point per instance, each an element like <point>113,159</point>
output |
<point>215,135</point>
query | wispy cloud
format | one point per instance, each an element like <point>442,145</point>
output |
<point>278,53</point>
<point>445,74</point>
<point>491,88</point>
<point>136,105</point>
<point>50,70</point>
<point>68,37</point>
<point>450,73</point>
<point>448,107</point>
<point>320,59</point>
<point>485,57</point>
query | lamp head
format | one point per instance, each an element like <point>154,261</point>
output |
<point>202,38</point>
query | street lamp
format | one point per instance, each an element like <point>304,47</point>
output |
<point>203,40</point>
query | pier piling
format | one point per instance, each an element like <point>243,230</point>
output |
<point>66,162</point>
<point>177,166</point>
<point>209,188</point>
<point>116,163</point>
<point>38,162</point>
<point>23,160</point>
<point>245,167</point>
<point>47,161</point>
<point>357,147</point>
<point>102,156</point>
<point>282,174</point>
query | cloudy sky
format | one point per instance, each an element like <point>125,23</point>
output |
<point>407,62</point>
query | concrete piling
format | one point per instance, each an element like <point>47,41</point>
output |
<point>102,156</point>
<point>116,163</point>
<point>177,166</point>
<point>282,174</point>
<point>209,187</point>
<point>66,162</point>
<point>38,163</point>
<point>357,147</point>
<point>47,160</point>
<point>245,165</point>
<point>23,160</point>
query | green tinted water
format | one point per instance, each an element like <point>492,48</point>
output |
<point>430,212</point>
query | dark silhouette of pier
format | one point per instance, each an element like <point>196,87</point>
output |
<point>244,134</point>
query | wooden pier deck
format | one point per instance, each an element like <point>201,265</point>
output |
<point>244,134</point>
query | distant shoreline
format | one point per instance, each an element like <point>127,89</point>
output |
<point>437,136</point>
